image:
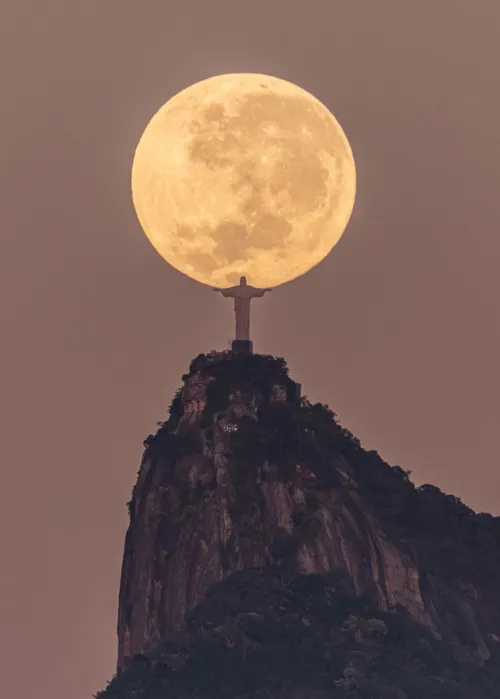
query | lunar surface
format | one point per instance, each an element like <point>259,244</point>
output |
<point>243,174</point>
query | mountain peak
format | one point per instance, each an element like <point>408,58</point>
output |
<point>247,474</point>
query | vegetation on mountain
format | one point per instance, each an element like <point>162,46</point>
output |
<point>277,632</point>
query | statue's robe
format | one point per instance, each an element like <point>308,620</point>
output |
<point>242,295</point>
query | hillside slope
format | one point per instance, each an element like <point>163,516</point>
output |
<point>246,478</point>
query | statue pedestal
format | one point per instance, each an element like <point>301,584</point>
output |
<point>242,347</point>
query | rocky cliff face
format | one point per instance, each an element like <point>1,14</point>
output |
<point>246,473</point>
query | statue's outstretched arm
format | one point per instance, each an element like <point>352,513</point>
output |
<point>225,292</point>
<point>259,292</point>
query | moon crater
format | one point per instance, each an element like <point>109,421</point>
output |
<point>243,174</point>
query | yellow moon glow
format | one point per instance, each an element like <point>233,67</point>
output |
<point>243,174</point>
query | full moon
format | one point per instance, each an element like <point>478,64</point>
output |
<point>243,174</point>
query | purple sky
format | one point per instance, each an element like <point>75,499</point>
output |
<point>397,330</point>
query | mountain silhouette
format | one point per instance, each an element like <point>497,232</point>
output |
<point>269,555</point>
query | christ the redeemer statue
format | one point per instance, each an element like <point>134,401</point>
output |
<point>242,295</point>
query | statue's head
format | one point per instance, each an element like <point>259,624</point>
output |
<point>243,281</point>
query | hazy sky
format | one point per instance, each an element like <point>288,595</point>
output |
<point>398,330</point>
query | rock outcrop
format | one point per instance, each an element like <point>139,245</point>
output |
<point>247,474</point>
